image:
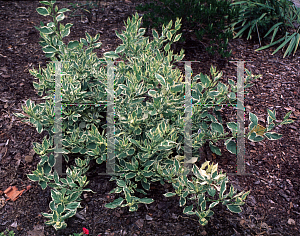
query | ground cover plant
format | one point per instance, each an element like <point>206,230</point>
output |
<point>262,17</point>
<point>86,9</point>
<point>207,20</point>
<point>146,157</point>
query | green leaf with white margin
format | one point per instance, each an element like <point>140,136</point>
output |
<point>271,114</point>
<point>60,208</point>
<point>167,47</point>
<point>49,216</point>
<point>120,49</point>
<point>146,200</point>
<point>96,38</point>
<point>222,190</point>
<point>146,186</point>
<point>245,195</point>
<point>60,17</point>
<point>73,205</point>
<point>51,160</point>
<point>214,149</point>
<point>42,11</point>
<point>170,194</point>
<point>160,79</point>
<point>66,30</point>
<point>233,127</point>
<point>97,45</point>
<point>155,34</point>
<point>182,201</point>
<point>177,88</point>
<point>43,184</point>
<point>287,121</point>
<point>45,30</point>
<point>121,183</point>
<point>130,175</point>
<point>63,10</point>
<point>115,203</point>
<point>213,204</point>
<point>56,196</point>
<point>231,146</point>
<point>253,119</point>
<point>217,127</point>
<point>47,168</point>
<point>205,80</point>
<point>152,93</point>
<point>73,44</point>
<point>68,215</point>
<point>178,36</point>
<point>55,216</point>
<point>46,3</point>
<point>211,191</point>
<point>84,42</point>
<point>197,173</point>
<point>33,177</point>
<point>255,138</point>
<point>234,208</point>
<point>273,135</point>
<point>251,124</point>
<point>287,115</point>
<point>88,37</point>
<point>203,205</point>
<point>111,55</point>
<point>188,210</point>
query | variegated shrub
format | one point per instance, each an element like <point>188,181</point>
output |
<point>149,127</point>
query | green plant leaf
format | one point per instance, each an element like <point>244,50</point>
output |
<point>231,146</point>
<point>287,121</point>
<point>217,127</point>
<point>253,118</point>
<point>43,11</point>
<point>222,189</point>
<point>233,208</point>
<point>121,183</point>
<point>111,55</point>
<point>63,10</point>
<point>160,79</point>
<point>73,44</point>
<point>182,201</point>
<point>46,3</point>
<point>177,37</point>
<point>146,200</point>
<point>273,135</point>
<point>120,49</point>
<point>188,209</point>
<point>60,17</point>
<point>33,177</point>
<point>73,206</point>
<point>170,194</point>
<point>215,149</point>
<point>115,203</point>
<point>205,80</point>
<point>130,175</point>
<point>287,115</point>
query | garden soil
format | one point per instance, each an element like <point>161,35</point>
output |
<point>273,206</point>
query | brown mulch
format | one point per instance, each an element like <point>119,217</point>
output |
<point>272,208</point>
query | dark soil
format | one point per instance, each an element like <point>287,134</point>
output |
<point>272,208</point>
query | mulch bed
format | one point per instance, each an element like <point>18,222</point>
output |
<point>272,208</point>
